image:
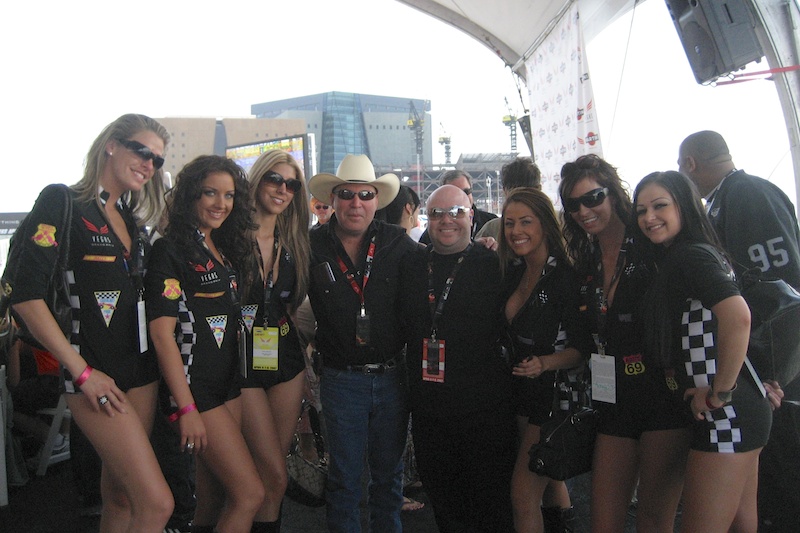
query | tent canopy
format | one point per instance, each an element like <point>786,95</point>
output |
<point>513,28</point>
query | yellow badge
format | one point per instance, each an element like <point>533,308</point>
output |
<point>45,236</point>
<point>172,289</point>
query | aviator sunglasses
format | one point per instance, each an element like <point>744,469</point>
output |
<point>276,179</point>
<point>143,152</point>
<point>592,198</point>
<point>347,194</point>
<point>457,211</point>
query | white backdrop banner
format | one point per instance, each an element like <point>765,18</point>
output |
<point>563,119</point>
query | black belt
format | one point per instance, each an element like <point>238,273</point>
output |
<point>373,368</point>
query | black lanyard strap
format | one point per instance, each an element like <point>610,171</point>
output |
<point>437,308</point>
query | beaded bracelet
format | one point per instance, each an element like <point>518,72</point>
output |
<point>179,413</point>
<point>84,376</point>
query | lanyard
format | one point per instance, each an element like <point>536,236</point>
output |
<point>438,308</point>
<point>269,279</point>
<point>352,278</point>
<point>233,284</point>
<point>133,263</point>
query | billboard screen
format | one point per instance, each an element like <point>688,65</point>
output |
<point>300,146</point>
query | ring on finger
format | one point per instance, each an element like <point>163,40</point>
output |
<point>190,445</point>
<point>102,400</point>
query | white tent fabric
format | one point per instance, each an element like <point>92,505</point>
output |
<point>513,28</point>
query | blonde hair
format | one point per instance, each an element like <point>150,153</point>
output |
<point>292,223</point>
<point>146,204</point>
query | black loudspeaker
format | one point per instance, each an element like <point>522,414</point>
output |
<point>717,35</point>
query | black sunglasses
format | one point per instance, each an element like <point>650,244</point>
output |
<point>276,179</point>
<point>592,198</point>
<point>347,194</point>
<point>457,211</point>
<point>322,207</point>
<point>143,152</point>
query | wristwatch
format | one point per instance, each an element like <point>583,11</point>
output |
<point>726,396</point>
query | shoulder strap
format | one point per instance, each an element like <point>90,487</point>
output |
<point>66,225</point>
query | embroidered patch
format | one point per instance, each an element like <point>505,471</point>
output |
<point>100,258</point>
<point>172,289</point>
<point>218,324</point>
<point>209,294</point>
<point>45,236</point>
<point>107,301</point>
<point>249,315</point>
<point>103,230</point>
<point>204,268</point>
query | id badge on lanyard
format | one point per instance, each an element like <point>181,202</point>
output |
<point>433,360</point>
<point>362,318</point>
<point>141,318</point>
<point>265,348</point>
<point>604,377</point>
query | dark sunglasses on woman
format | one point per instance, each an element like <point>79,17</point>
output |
<point>276,179</point>
<point>143,152</point>
<point>592,198</point>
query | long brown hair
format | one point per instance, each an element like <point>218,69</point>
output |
<point>292,223</point>
<point>591,166</point>
<point>542,208</point>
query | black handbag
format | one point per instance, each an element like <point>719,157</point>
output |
<point>774,345</point>
<point>566,443</point>
<point>57,295</point>
<point>308,476</point>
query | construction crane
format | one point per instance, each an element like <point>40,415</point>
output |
<point>417,126</point>
<point>444,140</point>
<point>510,121</point>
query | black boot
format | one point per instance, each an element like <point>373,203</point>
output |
<point>266,527</point>
<point>555,519</point>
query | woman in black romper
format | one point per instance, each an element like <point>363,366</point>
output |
<point>698,327</point>
<point>110,375</point>
<point>276,285</point>
<point>545,330</point>
<point>195,323</point>
<point>643,433</point>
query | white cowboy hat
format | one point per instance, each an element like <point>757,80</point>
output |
<point>355,169</point>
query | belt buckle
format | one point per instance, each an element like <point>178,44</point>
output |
<point>373,368</point>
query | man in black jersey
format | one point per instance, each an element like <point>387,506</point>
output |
<point>757,225</point>
<point>463,424</point>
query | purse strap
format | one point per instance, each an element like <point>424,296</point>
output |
<point>63,253</point>
<point>576,392</point>
<point>316,430</point>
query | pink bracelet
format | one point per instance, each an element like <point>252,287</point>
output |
<point>84,376</point>
<point>179,413</point>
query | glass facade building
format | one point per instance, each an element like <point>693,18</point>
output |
<point>385,128</point>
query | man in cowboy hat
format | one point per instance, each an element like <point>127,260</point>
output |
<point>354,294</point>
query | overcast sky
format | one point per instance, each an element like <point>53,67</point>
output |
<point>70,68</point>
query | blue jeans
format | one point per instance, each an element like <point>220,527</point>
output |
<point>364,415</point>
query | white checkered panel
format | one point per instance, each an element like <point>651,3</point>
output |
<point>187,336</point>
<point>697,341</point>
